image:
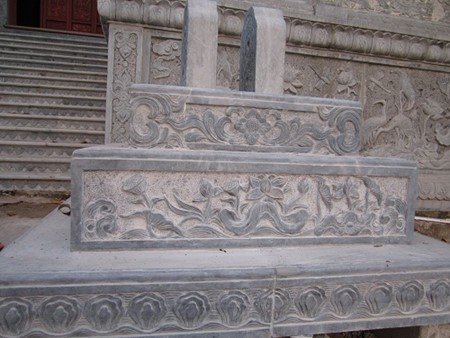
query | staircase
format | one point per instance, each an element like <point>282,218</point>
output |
<point>52,101</point>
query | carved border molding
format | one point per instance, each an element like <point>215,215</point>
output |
<point>165,13</point>
<point>220,307</point>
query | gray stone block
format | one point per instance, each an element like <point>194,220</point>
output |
<point>178,117</point>
<point>263,44</point>
<point>200,39</point>
<point>138,198</point>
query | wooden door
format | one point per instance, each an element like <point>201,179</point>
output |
<point>71,15</point>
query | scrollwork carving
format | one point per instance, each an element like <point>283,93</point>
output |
<point>164,121</point>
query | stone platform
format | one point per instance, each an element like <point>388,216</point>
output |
<point>47,290</point>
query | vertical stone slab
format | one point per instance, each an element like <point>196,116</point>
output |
<point>263,44</point>
<point>199,51</point>
<point>128,62</point>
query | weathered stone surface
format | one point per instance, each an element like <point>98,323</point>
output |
<point>262,51</point>
<point>177,117</point>
<point>199,49</point>
<point>130,198</point>
<point>222,291</point>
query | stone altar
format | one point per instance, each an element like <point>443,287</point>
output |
<point>234,234</point>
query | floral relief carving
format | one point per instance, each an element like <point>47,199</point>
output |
<point>124,68</point>
<point>273,304</point>
<point>104,312</point>
<point>166,64</point>
<point>310,302</point>
<point>191,309</point>
<point>263,205</point>
<point>350,39</point>
<point>147,310</point>
<point>345,300</point>
<point>234,308</point>
<point>439,295</point>
<point>409,296</point>
<point>166,121</point>
<point>60,313</point>
<point>379,298</point>
<point>16,316</point>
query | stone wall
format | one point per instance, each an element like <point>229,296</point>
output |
<point>3,13</point>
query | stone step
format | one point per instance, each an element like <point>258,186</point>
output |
<point>21,46</point>
<point>34,182</point>
<point>24,62</point>
<point>54,40</point>
<point>58,122</point>
<point>54,99</point>
<point>67,81</point>
<point>51,109</point>
<point>44,165</point>
<point>44,71</point>
<point>163,198</point>
<point>39,88</point>
<point>27,55</point>
<point>32,149</point>
<point>51,135</point>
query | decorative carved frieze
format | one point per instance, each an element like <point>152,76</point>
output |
<point>217,308</point>
<point>176,117</point>
<point>142,198</point>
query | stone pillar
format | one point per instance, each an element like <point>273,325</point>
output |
<point>199,51</point>
<point>263,44</point>
<point>128,62</point>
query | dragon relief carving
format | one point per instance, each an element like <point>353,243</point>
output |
<point>260,205</point>
<point>168,121</point>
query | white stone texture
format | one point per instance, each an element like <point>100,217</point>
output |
<point>263,44</point>
<point>200,41</point>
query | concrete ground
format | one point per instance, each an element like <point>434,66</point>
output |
<point>19,213</point>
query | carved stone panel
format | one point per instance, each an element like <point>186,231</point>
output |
<point>154,198</point>
<point>177,117</point>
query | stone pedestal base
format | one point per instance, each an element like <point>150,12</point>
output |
<point>47,290</point>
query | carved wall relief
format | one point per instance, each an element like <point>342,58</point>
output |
<point>166,63</point>
<point>164,121</point>
<point>151,206</point>
<point>434,10</point>
<point>214,309</point>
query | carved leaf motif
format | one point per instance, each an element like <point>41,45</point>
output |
<point>439,295</point>
<point>16,316</point>
<point>345,300</point>
<point>233,308</point>
<point>374,189</point>
<point>310,302</point>
<point>278,302</point>
<point>60,313</point>
<point>147,310</point>
<point>409,296</point>
<point>191,309</point>
<point>379,298</point>
<point>104,312</point>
